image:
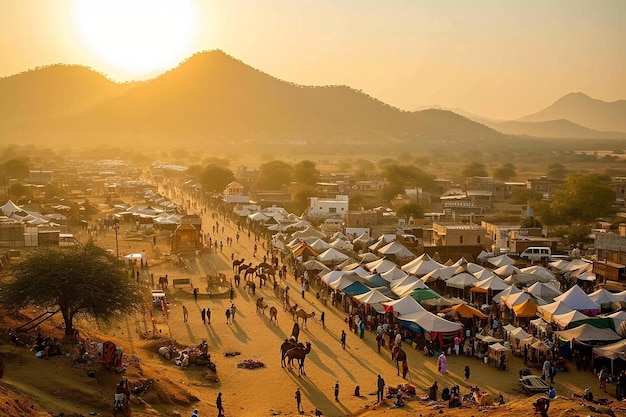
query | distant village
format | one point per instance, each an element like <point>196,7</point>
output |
<point>96,197</point>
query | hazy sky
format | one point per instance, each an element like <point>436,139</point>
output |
<point>496,58</point>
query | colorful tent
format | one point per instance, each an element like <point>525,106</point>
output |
<point>466,311</point>
<point>424,294</point>
<point>356,288</point>
<point>527,309</point>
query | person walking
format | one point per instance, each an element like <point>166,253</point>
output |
<point>233,310</point>
<point>343,339</point>
<point>298,397</point>
<point>203,315</point>
<point>227,315</point>
<point>185,314</point>
<point>208,315</point>
<point>337,391</point>
<point>218,404</point>
<point>467,372</point>
<point>380,392</point>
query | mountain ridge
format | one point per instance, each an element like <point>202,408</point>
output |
<point>213,96</point>
<point>581,109</point>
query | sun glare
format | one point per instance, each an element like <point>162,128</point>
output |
<point>137,36</point>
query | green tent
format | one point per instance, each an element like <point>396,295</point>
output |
<point>422,294</point>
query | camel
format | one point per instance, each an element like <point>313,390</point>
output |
<point>236,263</point>
<point>243,267</point>
<point>398,355</point>
<point>301,314</point>
<point>284,347</point>
<point>251,270</point>
<point>260,305</point>
<point>299,354</point>
<point>274,315</point>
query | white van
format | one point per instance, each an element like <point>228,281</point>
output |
<point>536,253</point>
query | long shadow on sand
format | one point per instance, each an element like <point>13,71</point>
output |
<point>239,333</point>
<point>213,336</point>
<point>319,398</point>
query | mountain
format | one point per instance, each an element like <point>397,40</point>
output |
<point>214,97</point>
<point>583,110</point>
<point>552,129</point>
<point>53,91</point>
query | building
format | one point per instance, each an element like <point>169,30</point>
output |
<point>544,185</point>
<point>324,208</point>
<point>234,194</point>
<point>40,177</point>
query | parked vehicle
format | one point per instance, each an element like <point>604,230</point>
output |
<point>536,253</point>
<point>157,297</point>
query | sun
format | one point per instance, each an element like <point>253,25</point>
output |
<point>137,36</point>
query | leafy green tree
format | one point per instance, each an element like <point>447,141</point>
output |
<point>505,172</point>
<point>274,175</point>
<point>544,212</point>
<point>306,173</point>
<point>80,280</point>
<point>215,178</point>
<point>474,169</point>
<point>583,198</point>
<point>411,209</point>
<point>524,195</point>
<point>409,175</point>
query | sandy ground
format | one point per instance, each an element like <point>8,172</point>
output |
<point>260,392</point>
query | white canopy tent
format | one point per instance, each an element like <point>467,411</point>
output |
<point>501,260</point>
<point>577,299</point>
<point>332,256</point>
<point>381,266</point>
<point>420,267</point>
<point>547,311</point>
<point>430,322</point>
<point>372,297</point>
<point>604,297</point>
<point>393,274</point>
<point>404,305</point>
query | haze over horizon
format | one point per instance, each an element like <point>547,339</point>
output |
<point>501,60</point>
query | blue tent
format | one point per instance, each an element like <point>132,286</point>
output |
<point>356,289</point>
<point>374,281</point>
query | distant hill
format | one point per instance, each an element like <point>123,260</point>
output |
<point>583,110</point>
<point>553,129</point>
<point>214,97</point>
<point>53,91</point>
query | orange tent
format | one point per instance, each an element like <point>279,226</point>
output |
<point>526,309</point>
<point>304,249</point>
<point>466,311</point>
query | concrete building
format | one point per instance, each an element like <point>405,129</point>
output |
<point>324,208</point>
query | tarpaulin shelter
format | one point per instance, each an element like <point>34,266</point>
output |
<point>527,309</point>
<point>421,265</point>
<point>331,256</point>
<point>502,295</point>
<point>404,305</point>
<point>565,319</point>
<point>507,270</point>
<point>538,270</point>
<point>344,281</point>
<point>543,290</point>
<point>356,288</point>
<point>613,351</point>
<point>304,250</point>
<point>501,260</point>
<point>422,294</point>
<point>372,297</point>
<point>602,297</point>
<point>380,265</point>
<point>466,311</point>
<point>396,249</point>
<point>588,334</point>
<point>393,274</point>
<point>406,285</point>
<point>547,311</point>
<point>429,322</point>
<point>516,299</point>
<point>375,280</point>
<point>577,299</point>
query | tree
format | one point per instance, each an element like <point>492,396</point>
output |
<point>274,175</point>
<point>80,280</point>
<point>215,178</point>
<point>524,195</point>
<point>474,169</point>
<point>306,173</point>
<point>15,168</point>
<point>302,194</point>
<point>583,198</point>
<point>556,171</point>
<point>411,209</point>
<point>17,191</point>
<point>505,172</point>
